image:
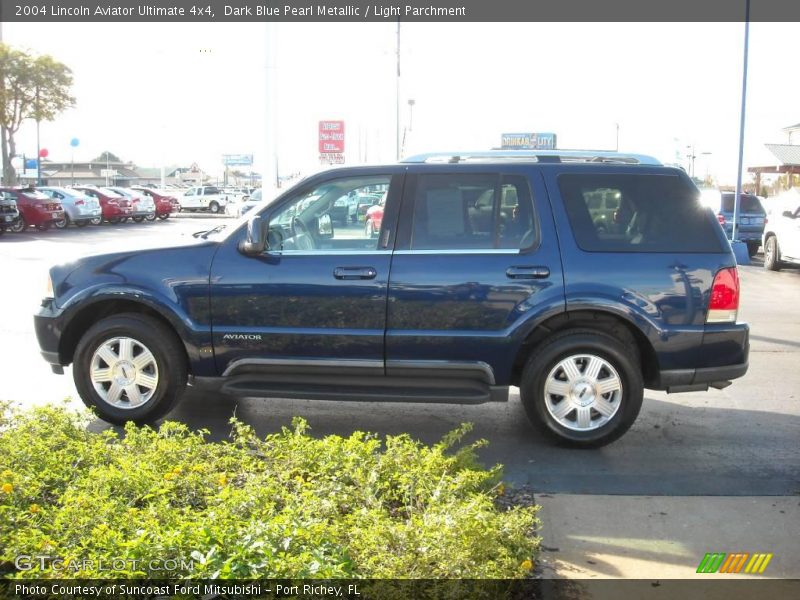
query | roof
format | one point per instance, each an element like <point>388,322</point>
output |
<point>542,156</point>
<point>787,154</point>
<point>792,127</point>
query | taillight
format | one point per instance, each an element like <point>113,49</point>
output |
<point>78,202</point>
<point>721,219</point>
<point>724,304</point>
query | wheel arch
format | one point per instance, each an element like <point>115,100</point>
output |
<point>95,311</point>
<point>601,320</point>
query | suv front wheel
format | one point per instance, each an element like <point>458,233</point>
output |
<point>582,388</point>
<point>129,367</point>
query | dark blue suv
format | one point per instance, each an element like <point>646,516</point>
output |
<point>489,270</point>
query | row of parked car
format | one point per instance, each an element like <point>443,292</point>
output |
<point>52,206</point>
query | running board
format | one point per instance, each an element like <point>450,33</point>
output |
<point>366,389</point>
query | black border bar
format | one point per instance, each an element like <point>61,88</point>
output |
<point>440,11</point>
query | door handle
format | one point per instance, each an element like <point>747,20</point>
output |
<point>355,273</point>
<point>527,272</point>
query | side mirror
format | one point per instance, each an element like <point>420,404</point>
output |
<point>788,214</point>
<point>255,241</point>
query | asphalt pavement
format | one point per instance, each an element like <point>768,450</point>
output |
<point>734,449</point>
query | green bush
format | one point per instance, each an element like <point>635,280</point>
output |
<point>287,506</point>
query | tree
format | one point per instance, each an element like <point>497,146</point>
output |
<point>31,87</point>
<point>106,157</point>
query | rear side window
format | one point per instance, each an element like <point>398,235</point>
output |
<point>651,213</point>
<point>747,204</point>
<point>462,211</point>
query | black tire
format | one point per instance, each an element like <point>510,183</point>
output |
<point>163,344</point>
<point>772,254</point>
<point>752,248</point>
<point>114,220</point>
<point>138,219</point>
<point>124,219</point>
<point>163,216</point>
<point>63,223</point>
<point>151,217</point>
<point>213,207</point>
<point>20,226</point>
<point>97,221</point>
<point>619,355</point>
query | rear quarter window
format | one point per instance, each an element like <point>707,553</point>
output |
<point>654,213</point>
<point>747,204</point>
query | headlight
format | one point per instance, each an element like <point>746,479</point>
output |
<point>48,292</point>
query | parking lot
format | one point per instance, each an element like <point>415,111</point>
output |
<point>739,441</point>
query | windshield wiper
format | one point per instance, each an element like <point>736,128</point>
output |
<point>205,234</point>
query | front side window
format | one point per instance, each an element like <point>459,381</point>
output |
<point>323,220</point>
<point>637,213</point>
<point>465,211</point>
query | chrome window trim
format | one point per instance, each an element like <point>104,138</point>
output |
<point>470,251</point>
<point>325,252</point>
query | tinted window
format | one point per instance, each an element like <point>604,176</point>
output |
<point>457,211</point>
<point>747,204</point>
<point>657,213</point>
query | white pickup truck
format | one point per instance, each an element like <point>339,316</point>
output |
<point>208,197</point>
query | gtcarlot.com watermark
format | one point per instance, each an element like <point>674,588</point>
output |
<point>28,562</point>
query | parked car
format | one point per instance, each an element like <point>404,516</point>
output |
<point>440,308</point>
<point>144,207</point>
<point>165,203</point>
<point>374,218</point>
<point>246,206</point>
<point>208,197</point>
<point>115,207</point>
<point>9,214</point>
<point>781,239</point>
<point>79,208</point>
<point>36,209</point>
<point>750,225</point>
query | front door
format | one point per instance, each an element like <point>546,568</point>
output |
<point>476,262</point>
<point>317,295</point>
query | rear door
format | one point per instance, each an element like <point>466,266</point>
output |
<point>476,262</point>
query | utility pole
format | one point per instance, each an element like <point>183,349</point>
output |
<point>737,198</point>
<point>397,90</point>
<point>38,149</point>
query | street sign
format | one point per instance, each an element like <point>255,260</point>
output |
<point>331,137</point>
<point>331,158</point>
<point>230,160</point>
<point>528,141</point>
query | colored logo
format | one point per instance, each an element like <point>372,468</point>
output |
<point>738,562</point>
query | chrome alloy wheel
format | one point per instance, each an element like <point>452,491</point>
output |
<point>583,392</point>
<point>124,372</point>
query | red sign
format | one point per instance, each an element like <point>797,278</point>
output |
<point>331,137</point>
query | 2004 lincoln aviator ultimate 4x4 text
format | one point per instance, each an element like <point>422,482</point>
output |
<point>489,270</point>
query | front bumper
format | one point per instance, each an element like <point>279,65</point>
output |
<point>47,323</point>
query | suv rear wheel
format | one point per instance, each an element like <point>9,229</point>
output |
<point>129,367</point>
<point>582,388</point>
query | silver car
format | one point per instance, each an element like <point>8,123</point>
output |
<point>78,207</point>
<point>144,207</point>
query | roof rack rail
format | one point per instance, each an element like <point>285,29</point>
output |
<point>542,156</point>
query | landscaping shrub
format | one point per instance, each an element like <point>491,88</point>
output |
<point>287,506</point>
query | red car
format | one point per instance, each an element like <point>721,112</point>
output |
<point>165,205</point>
<point>35,208</point>
<point>374,218</point>
<point>116,208</point>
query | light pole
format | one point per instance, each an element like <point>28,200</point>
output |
<point>411,103</point>
<point>38,149</point>
<point>397,92</point>
<point>616,145</point>
<point>741,122</point>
